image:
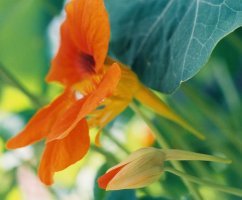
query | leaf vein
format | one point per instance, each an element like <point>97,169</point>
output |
<point>191,37</point>
<point>153,27</point>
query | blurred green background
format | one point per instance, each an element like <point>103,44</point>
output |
<point>211,102</point>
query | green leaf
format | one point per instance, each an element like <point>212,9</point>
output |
<point>23,39</point>
<point>167,42</point>
<point>121,195</point>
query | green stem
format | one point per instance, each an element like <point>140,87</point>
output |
<point>164,145</point>
<point>110,157</point>
<point>198,166</point>
<point>194,179</point>
<point>229,91</point>
<point>207,107</point>
<point>35,100</point>
<point>225,82</point>
<point>235,41</point>
<point>155,131</point>
<point>115,141</point>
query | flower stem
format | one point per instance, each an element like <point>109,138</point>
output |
<point>235,41</point>
<point>13,81</point>
<point>179,142</point>
<point>206,106</point>
<point>110,157</point>
<point>196,195</point>
<point>116,142</point>
<point>194,179</point>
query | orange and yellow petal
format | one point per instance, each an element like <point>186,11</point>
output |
<point>83,107</point>
<point>148,98</point>
<point>66,67</point>
<point>90,28</point>
<point>60,154</point>
<point>119,101</point>
<point>104,180</point>
<point>41,123</point>
<point>141,168</point>
<point>85,37</point>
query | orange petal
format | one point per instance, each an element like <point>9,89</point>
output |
<point>84,106</point>
<point>40,124</point>
<point>65,67</point>
<point>67,122</point>
<point>60,154</point>
<point>83,46</point>
<point>104,180</point>
<point>148,98</point>
<point>118,102</point>
<point>97,138</point>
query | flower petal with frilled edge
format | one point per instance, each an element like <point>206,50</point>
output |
<point>84,43</point>
<point>60,154</point>
<point>41,123</point>
<point>83,107</point>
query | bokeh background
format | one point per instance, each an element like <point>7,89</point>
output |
<point>211,102</point>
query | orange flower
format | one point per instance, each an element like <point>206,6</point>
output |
<point>80,59</point>
<point>64,126</point>
<point>82,66</point>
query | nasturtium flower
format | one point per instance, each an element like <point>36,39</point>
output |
<point>145,166</point>
<point>79,66</point>
<point>96,89</point>
<point>63,125</point>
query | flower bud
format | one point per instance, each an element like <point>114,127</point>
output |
<point>145,166</point>
<point>141,168</point>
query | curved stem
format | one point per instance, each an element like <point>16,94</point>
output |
<point>110,157</point>
<point>153,102</point>
<point>116,142</point>
<point>194,179</point>
<point>155,131</point>
<point>35,100</point>
<point>235,41</point>
<point>164,145</point>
